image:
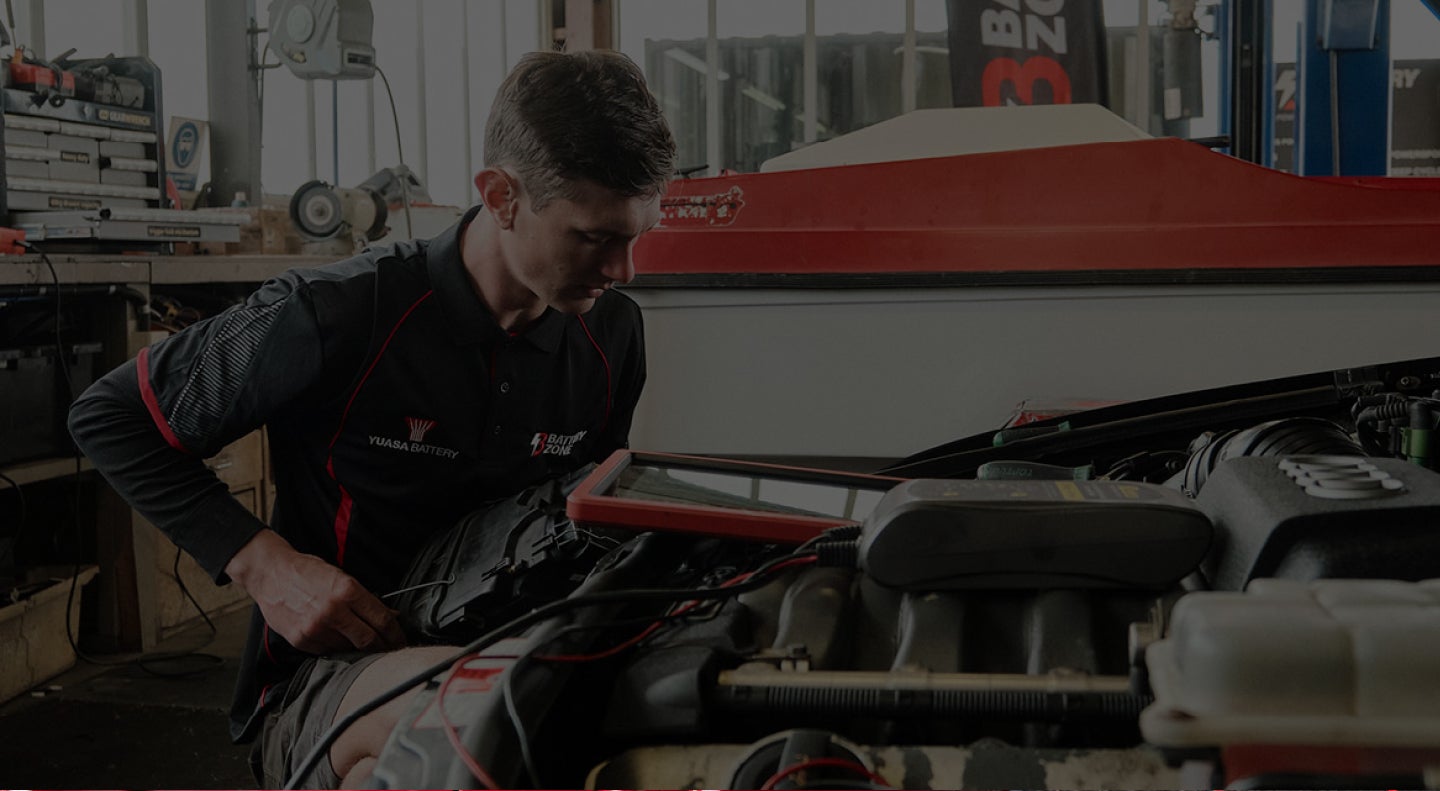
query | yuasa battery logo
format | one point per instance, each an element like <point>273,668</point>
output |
<point>415,440</point>
<point>419,428</point>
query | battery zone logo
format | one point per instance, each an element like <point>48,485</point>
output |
<point>546,444</point>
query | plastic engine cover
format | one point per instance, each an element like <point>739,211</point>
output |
<point>952,534</point>
<point>1316,517</point>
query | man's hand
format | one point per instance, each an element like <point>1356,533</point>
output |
<point>315,606</point>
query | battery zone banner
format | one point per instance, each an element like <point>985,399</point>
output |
<point>1026,52</point>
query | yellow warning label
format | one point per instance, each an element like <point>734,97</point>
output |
<point>1069,490</point>
<point>118,117</point>
<point>1129,492</point>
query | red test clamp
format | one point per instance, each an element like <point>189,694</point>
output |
<point>11,241</point>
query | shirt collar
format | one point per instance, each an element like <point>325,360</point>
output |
<point>469,318</point>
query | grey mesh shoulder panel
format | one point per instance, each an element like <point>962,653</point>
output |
<point>221,372</point>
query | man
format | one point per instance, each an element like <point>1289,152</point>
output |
<point>402,388</point>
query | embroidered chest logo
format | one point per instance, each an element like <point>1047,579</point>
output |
<point>545,443</point>
<point>418,428</point>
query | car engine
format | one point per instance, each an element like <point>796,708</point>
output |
<point>1232,588</point>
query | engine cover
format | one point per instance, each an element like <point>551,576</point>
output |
<point>1310,517</point>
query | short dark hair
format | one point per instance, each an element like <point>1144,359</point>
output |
<point>563,116</point>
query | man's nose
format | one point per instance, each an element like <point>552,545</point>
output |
<point>619,265</point>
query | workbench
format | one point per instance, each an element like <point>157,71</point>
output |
<point>139,602</point>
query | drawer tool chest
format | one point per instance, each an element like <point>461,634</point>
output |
<point>84,158</point>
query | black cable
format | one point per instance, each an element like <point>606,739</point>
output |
<point>260,110</point>
<point>24,517</point>
<point>211,661</point>
<point>838,533</point>
<point>62,361</point>
<point>71,395</point>
<point>545,612</point>
<point>506,685</point>
<point>400,150</point>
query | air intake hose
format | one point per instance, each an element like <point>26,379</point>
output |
<point>1288,437</point>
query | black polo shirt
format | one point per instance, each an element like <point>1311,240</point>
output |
<point>395,405</point>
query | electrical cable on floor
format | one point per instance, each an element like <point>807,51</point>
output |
<point>755,580</point>
<point>208,661</point>
<point>62,361</point>
<point>11,549</point>
<point>400,150</point>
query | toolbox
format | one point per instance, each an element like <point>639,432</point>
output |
<point>84,163</point>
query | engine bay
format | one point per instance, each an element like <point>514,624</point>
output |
<point>1235,587</point>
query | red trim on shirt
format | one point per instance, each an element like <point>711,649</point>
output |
<point>265,690</point>
<point>265,640</point>
<point>346,414</point>
<point>347,503</point>
<point>342,524</point>
<point>152,404</point>
<point>605,360</point>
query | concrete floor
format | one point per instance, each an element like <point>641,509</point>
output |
<point>122,726</point>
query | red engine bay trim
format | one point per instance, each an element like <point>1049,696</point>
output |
<point>593,503</point>
<point>1145,205</point>
<point>1243,761</point>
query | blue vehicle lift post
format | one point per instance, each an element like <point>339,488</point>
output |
<point>1342,121</point>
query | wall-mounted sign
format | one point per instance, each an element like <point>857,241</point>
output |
<point>184,146</point>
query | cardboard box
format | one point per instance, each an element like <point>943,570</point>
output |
<point>174,610</point>
<point>241,464</point>
<point>33,642</point>
<point>269,232</point>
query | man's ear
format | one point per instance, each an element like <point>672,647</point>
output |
<point>500,194</point>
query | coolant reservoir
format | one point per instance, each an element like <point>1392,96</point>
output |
<point>1328,662</point>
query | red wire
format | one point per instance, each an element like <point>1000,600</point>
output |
<point>609,652</point>
<point>453,736</point>
<point>838,763</point>
<point>649,630</point>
